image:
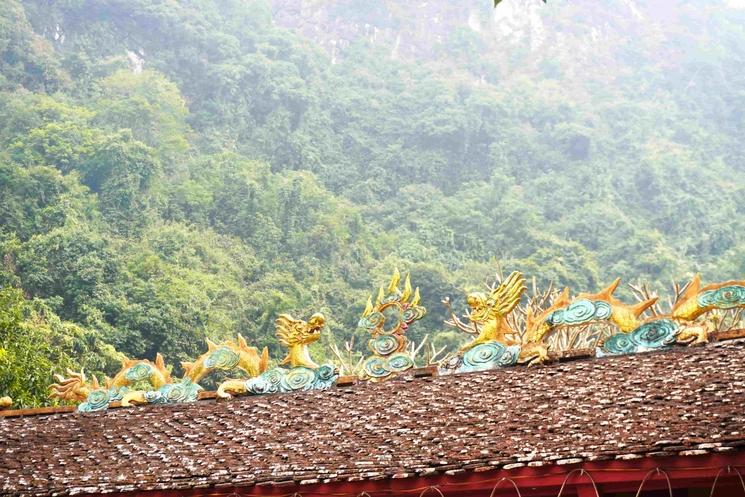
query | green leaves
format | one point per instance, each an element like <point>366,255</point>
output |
<point>35,343</point>
<point>176,170</point>
<point>147,104</point>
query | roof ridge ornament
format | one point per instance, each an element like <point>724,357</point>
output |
<point>133,376</point>
<point>303,372</point>
<point>495,345</point>
<point>505,333</point>
<point>387,321</point>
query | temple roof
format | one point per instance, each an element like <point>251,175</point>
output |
<point>682,401</point>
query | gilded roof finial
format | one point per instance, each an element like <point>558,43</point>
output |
<point>387,321</point>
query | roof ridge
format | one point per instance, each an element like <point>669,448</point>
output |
<point>734,337</point>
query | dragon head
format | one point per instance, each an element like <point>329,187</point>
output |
<point>291,331</point>
<point>477,301</point>
<point>296,335</point>
<point>315,324</point>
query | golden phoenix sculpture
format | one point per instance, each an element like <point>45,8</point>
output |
<point>497,343</point>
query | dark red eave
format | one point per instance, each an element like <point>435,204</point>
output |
<point>724,472</point>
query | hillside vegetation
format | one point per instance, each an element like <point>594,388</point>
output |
<point>171,171</point>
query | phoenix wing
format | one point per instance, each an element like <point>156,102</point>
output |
<point>505,297</point>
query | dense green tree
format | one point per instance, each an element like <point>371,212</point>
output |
<point>35,343</point>
<point>171,171</point>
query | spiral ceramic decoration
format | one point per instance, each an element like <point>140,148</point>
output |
<point>399,362</point>
<point>649,336</point>
<point>116,393</point>
<point>375,367</point>
<point>602,310</point>
<point>326,376</point>
<point>727,297</point>
<point>294,379</point>
<point>617,344</point>
<point>138,372</point>
<point>299,378</point>
<point>223,359</point>
<point>655,334</point>
<point>265,383</point>
<point>371,322</point>
<point>184,391</point>
<point>487,356</point>
<point>384,344</point>
<point>413,314</point>
<point>97,400</point>
<point>580,311</point>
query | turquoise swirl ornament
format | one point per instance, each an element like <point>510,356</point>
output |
<point>655,334</point>
<point>326,376</point>
<point>223,359</point>
<point>299,378</point>
<point>490,355</point>
<point>138,372</point>
<point>383,344</point>
<point>376,367</point>
<point>372,321</point>
<point>184,391</point>
<point>268,382</point>
<point>618,344</point>
<point>578,312</point>
<point>602,310</point>
<point>727,297</point>
<point>292,380</point>
<point>98,400</point>
<point>399,362</point>
<point>649,336</point>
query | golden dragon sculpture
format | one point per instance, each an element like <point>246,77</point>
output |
<point>230,355</point>
<point>297,335</point>
<point>142,381</point>
<point>488,314</point>
<point>304,373</point>
<point>496,342</point>
<point>227,356</point>
<point>77,388</point>
<point>634,331</point>
<point>587,308</point>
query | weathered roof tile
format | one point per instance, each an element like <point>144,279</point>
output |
<point>686,401</point>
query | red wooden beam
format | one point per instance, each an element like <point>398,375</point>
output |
<point>613,476</point>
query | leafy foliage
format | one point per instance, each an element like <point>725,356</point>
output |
<point>171,171</point>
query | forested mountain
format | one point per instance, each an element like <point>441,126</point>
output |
<point>175,170</point>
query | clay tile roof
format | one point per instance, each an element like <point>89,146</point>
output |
<point>683,401</point>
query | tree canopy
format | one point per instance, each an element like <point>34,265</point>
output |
<point>171,171</point>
